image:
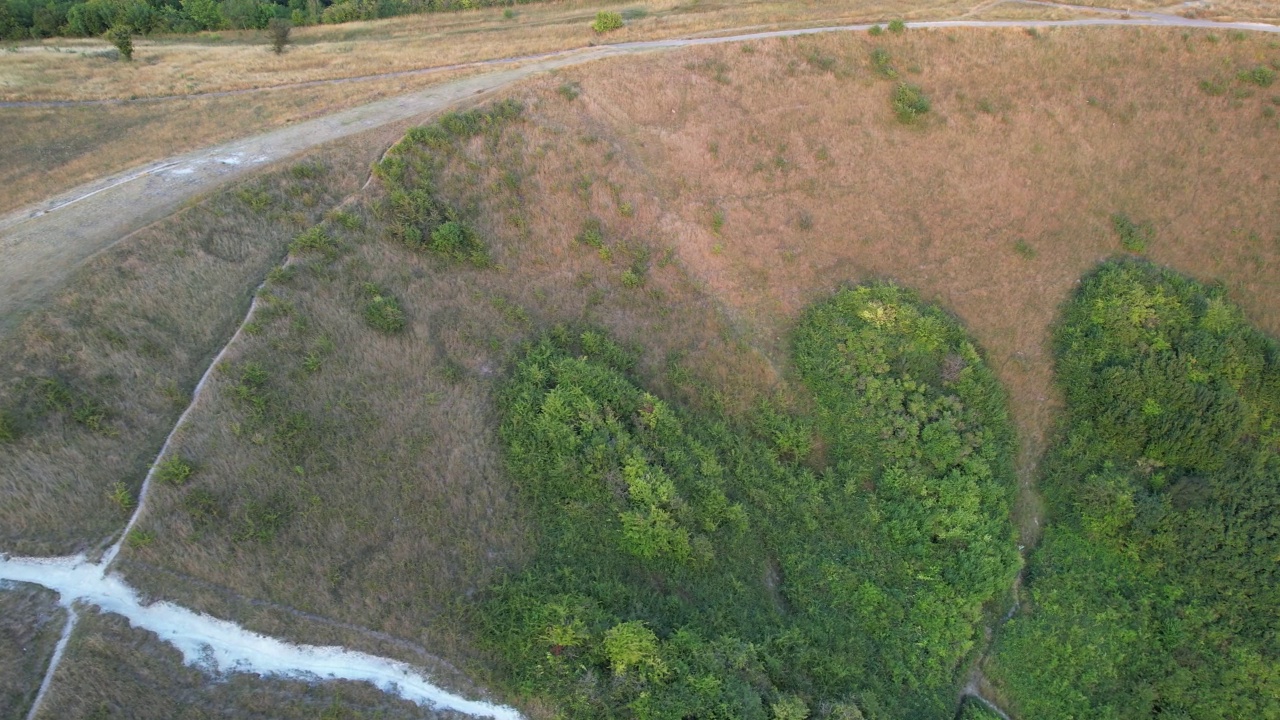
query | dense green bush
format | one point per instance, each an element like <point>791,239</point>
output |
<point>909,102</point>
<point>606,21</point>
<point>1154,591</point>
<point>413,210</point>
<point>691,568</point>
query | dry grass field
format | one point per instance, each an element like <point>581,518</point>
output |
<point>113,670</point>
<point>356,476</point>
<point>56,148</point>
<point>30,625</point>
<point>93,382</point>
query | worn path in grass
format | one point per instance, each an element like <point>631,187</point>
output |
<point>41,245</point>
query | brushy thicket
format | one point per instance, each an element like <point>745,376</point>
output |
<point>415,213</point>
<point>1155,589</point>
<point>690,568</point>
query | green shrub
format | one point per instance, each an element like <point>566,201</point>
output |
<point>882,63</point>
<point>1154,588</point>
<point>175,471</point>
<point>1133,236</point>
<point>8,428</point>
<point>314,239</point>
<point>592,234</point>
<point>897,26</point>
<point>569,90</point>
<point>1213,87</point>
<point>122,37</point>
<point>688,567</point>
<point>382,310</point>
<point>875,30</point>
<point>1261,76</point>
<point>458,241</point>
<point>606,22</point>
<point>279,29</point>
<point>909,102</point>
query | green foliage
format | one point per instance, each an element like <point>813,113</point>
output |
<point>569,90</point>
<point>972,709</point>
<point>458,241</point>
<point>314,239</point>
<point>1133,236</point>
<point>882,63</point>
<point>1262,76</point>
<point>688,567</point>
<point>175,471</point>
<point>909,102</point>
<point>592,234</point>
<point>415,213</point>
<point>279,29</point>
<point>382,310</point>
<point>897,26</point>
<point>121,497</point>
<point>122,37</point>
<point>1155,587</point>
<point>875,30</point>
<point>262,520</point>
<point>606,21</point>
<point>8,428</point>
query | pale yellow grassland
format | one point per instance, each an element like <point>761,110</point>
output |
<point>130,335</point>
<point>993,205</point>
<point>30,625</point>
<point>54,149</point>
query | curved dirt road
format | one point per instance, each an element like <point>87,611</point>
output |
<point>41,245</point>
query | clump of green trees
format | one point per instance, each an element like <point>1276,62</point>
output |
<point>1156,587</point>
<point>690,567</point>
<point>24,19</point>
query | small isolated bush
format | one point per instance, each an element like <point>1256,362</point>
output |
<point>279,29</point>
<point>1133,236</point>
<point>1261,76</point>
<point>569,90</point>
<point>314,239</point>
<point>122,37</point>
<point>1023,248</point>
<point>1213,87</point>
<point>875,30</point>
<point>256,198</point>
<point>8,433</point>
<point>508,14</point>
<point>382,311</point>
<point>175,470</point>
<point>457,240</point>
<point>606,22</point>
<point>120,496</point>
<point>632,279</point>
<point>909,102</point>
<point>897,26</point>
<point>882,63</point>
<point>592,234</point>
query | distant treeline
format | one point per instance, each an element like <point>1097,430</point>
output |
<point>28,19</point>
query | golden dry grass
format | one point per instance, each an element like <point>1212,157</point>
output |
<point>127,339</point>
<point>63,69</point>
<point>54,149</point>
<point>113,670</point>
<point>30,625</point>
<point>993,205</point>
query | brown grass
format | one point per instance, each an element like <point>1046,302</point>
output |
<point>129,336</point>
<point>30,625</point>
<point>114,670</point>
<point>62,69</point>
<point>994,205</point>
<point>54,149</point>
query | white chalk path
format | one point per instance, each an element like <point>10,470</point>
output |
<point>220,646</point>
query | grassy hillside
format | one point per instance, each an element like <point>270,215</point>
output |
<point>1155,588</point>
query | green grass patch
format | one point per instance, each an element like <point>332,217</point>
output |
<point>909,102</point>
<point>1134,236</point>
<point>382,310</point>
<point>607,22</point>
<point>692,567</point>
<point>1155,587</point>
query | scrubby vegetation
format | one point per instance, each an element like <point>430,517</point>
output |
<point>1155,589</point>
<point>831,564</point>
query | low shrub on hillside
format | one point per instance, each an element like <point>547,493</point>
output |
<point>606,21</point>
<point>910,102</point>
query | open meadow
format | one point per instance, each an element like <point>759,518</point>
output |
<point>645,254</point>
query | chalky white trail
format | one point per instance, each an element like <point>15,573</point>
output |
<point>221,646</point>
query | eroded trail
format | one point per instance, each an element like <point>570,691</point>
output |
<point>221,646</point>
